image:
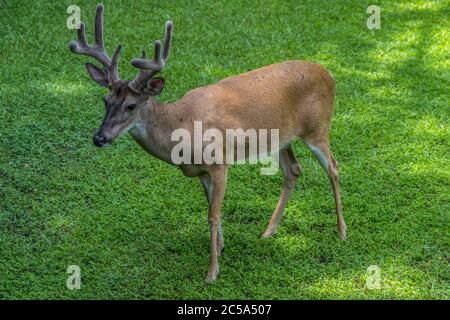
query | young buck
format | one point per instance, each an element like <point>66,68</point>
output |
<point>295,97</point>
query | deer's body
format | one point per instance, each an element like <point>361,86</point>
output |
<point>295,97</point>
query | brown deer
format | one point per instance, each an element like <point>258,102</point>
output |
<point>295,97</point>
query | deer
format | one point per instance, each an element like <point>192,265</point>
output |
<point>296,97</point>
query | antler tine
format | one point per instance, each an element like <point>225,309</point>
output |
<point>152,65</point>
<point>113,70</point>
<point>149,68</point>
<point>157,58</point>
<point>99,26</point>
<point>167,39</point>
<point>82,34</point>
<point>97,50</point>
<point>80,46</point>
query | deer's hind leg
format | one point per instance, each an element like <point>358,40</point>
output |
<point>322,152</point>
<point>291,170</point>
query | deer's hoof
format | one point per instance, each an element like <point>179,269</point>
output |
<point>212,275</point>
<point>343,232</point>
<point>268,233</point>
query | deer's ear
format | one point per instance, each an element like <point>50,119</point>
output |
<point>155,86</point>
<point>97,74</point>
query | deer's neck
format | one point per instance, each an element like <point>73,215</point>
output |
<point>154,127</point>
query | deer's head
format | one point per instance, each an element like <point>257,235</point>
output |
<point>125,98</point>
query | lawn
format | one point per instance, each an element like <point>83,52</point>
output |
<point>138,228</point>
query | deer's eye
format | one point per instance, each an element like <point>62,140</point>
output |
<point>131,107</point>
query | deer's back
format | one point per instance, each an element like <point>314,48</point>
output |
<point>291,96</point>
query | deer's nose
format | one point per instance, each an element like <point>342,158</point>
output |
<point>99,140</point>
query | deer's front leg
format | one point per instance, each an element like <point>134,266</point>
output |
<point>218,176</point>
<point>207,187</point>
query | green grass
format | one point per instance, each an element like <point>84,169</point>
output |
<point>138,228</point>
